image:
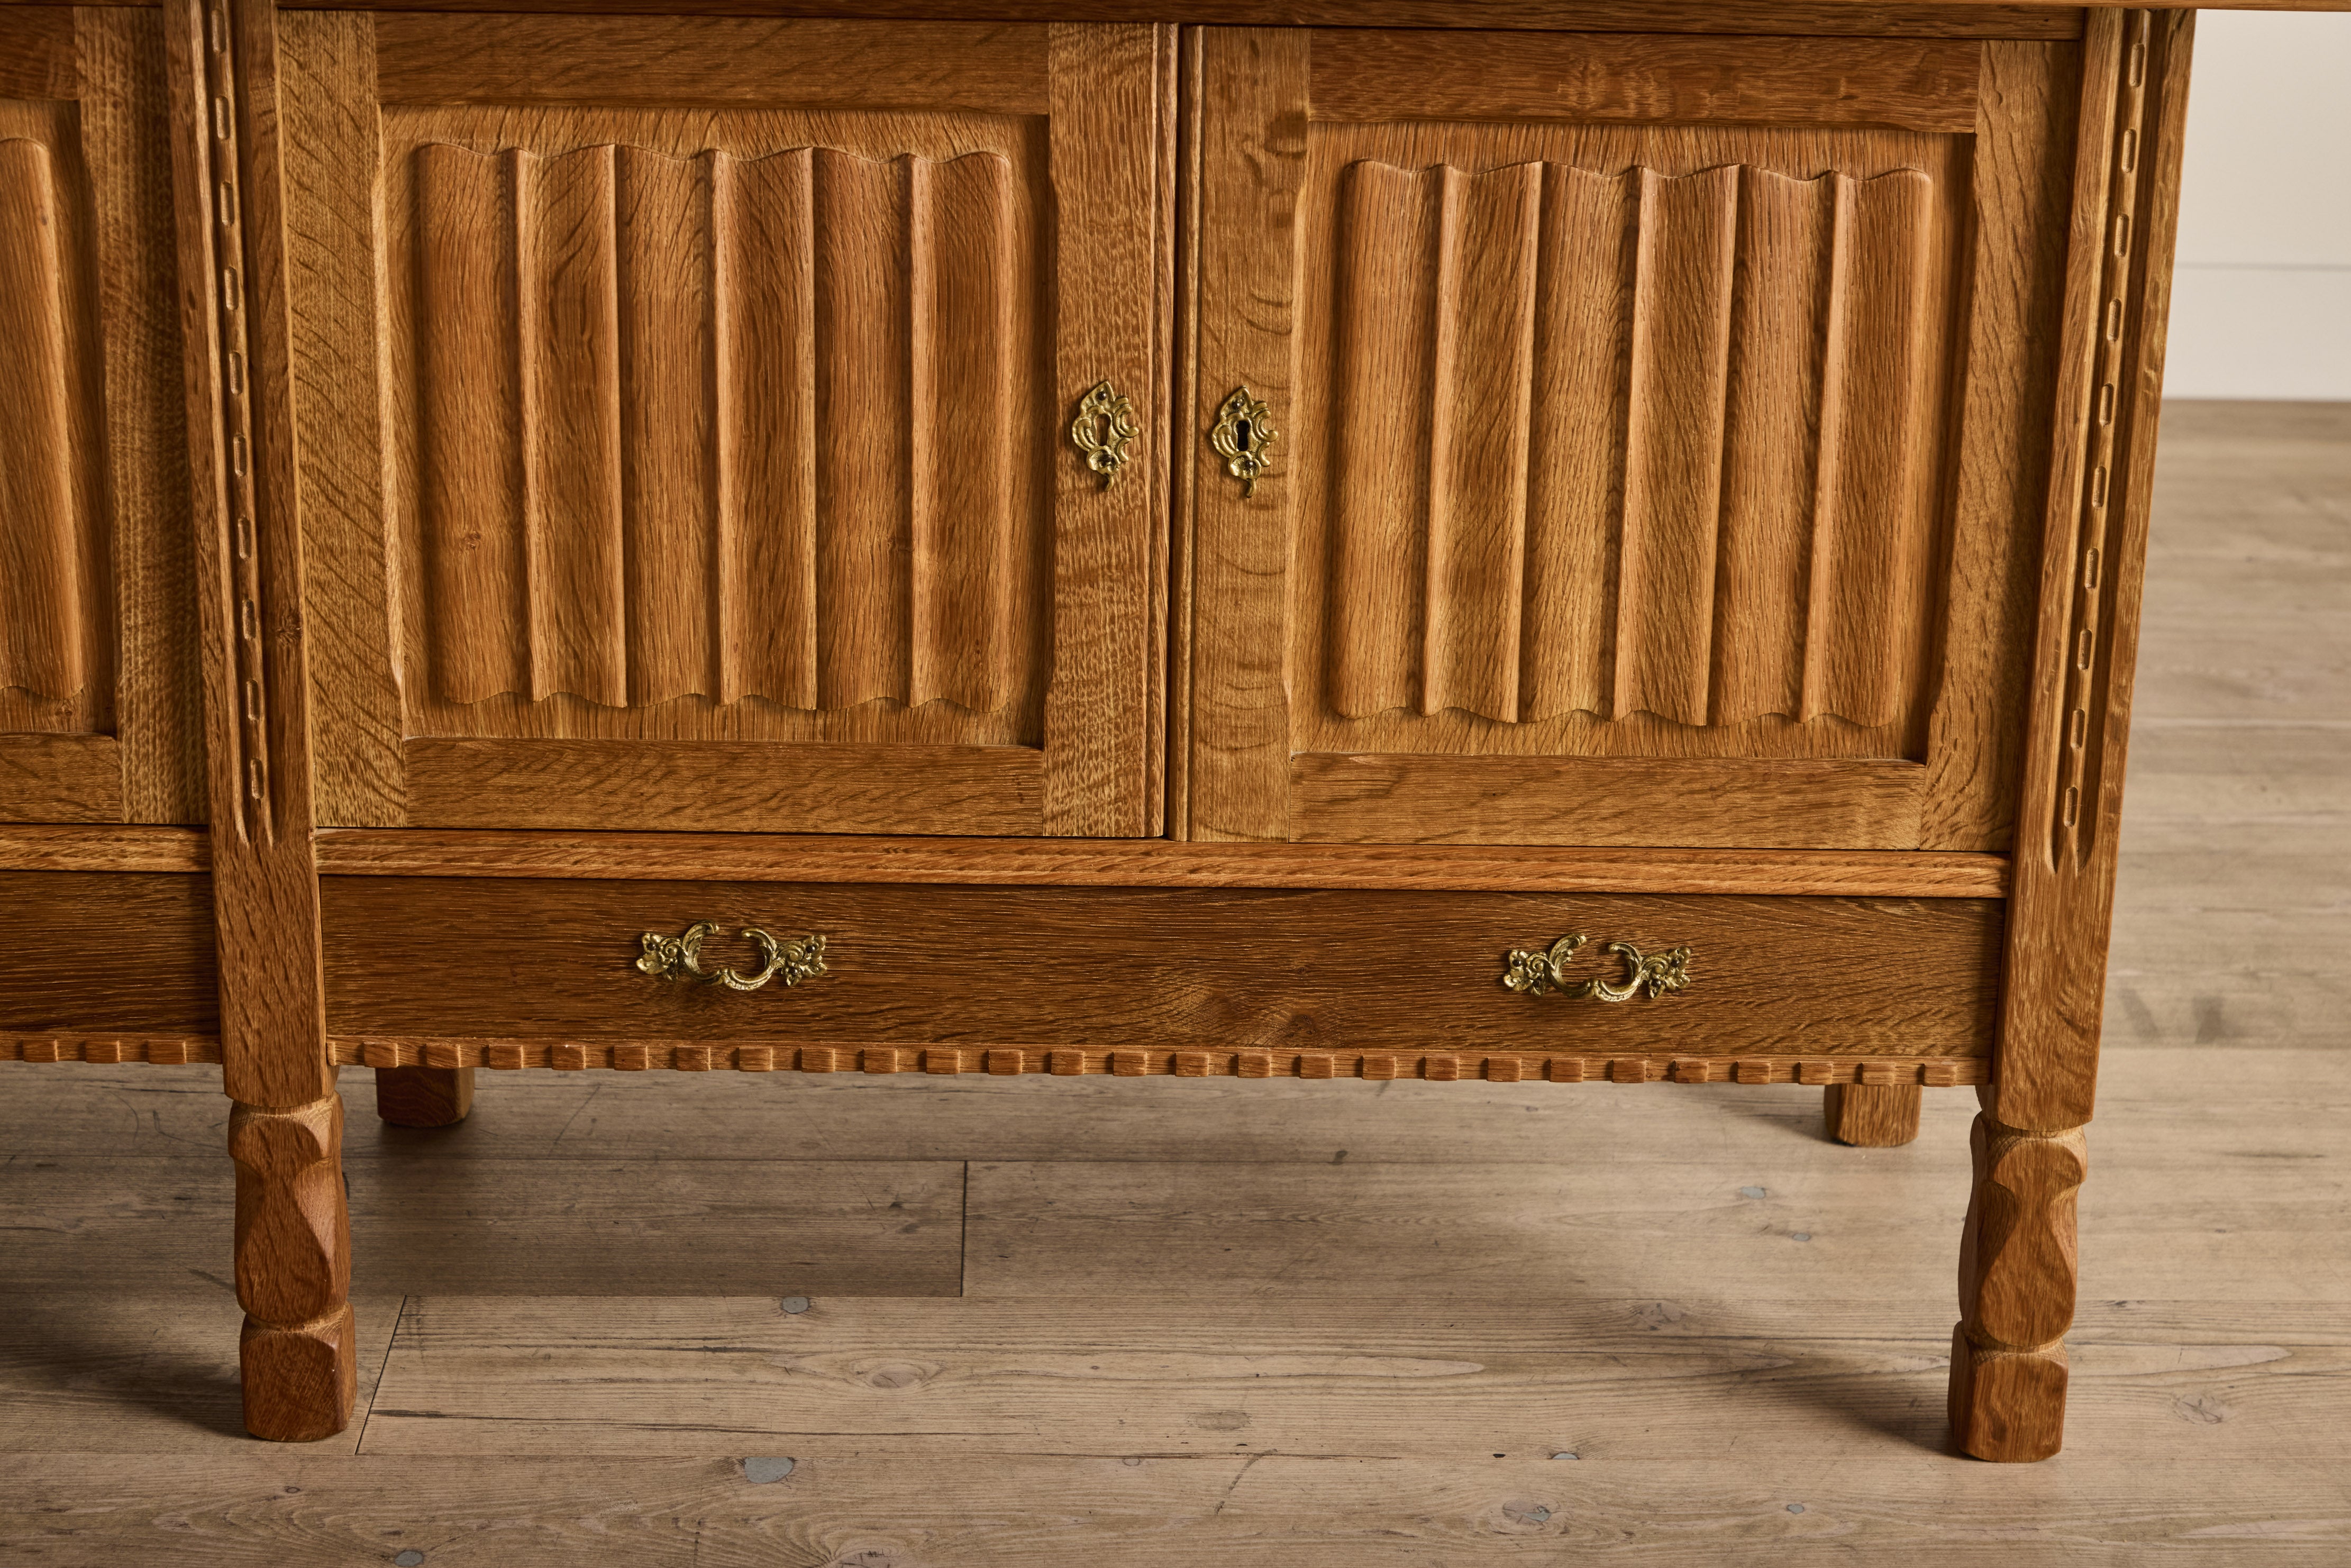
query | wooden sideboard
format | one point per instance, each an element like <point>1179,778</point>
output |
<point>1566,539</point>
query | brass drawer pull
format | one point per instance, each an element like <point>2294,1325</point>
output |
<point>1645,975</point>
<point>1104,425</point>
<point>672,957</point>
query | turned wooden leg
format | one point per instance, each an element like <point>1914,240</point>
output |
<point>424,1096</point>
<point>294,1270</point>
<point>1873,1115</point>
<point>2016,1293</point>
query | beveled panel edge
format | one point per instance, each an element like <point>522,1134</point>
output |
<point>1498,1067</point>
<point>1155,862</point>
<point>71,847</point>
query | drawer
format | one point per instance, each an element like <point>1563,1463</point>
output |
<point>1151,979</point>
<point>87,957</point>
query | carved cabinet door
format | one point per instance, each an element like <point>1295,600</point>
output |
<point>693,420</point>
<point>98,714</point>
<point>1617,440</point>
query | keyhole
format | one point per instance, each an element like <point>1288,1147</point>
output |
<point>1247,435</point>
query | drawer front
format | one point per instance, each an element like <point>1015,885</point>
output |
<point>91,954</point>
<point>1154,971</point>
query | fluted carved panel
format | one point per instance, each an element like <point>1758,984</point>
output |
<point>1632,442</point>
<point>50,605</point>
<point>717,426</point>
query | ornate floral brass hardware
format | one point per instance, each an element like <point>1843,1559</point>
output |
<point>1645,975</point>
<point>1104,425</point>
<point>675,958</point>
<point>1244,430</point>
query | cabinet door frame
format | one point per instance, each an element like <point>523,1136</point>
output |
<point>1092,764</point>
<point>95,530</point>
<point>1252,95</point>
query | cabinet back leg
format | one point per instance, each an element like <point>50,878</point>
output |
<point>298,1352</point>
<point>1872,1116</point>
<point>424,1096</point>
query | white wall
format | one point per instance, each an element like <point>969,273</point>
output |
<point>2261,304</point>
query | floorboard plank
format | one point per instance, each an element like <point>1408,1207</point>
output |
<point>840,1228</point>
<point>1263,1512</point>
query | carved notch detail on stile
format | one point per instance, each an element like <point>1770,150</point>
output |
<point>248,610</point>
<point>2088,649</point>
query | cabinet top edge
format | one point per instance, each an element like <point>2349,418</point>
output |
<point>1953,18</point>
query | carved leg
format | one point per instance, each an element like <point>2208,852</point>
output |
<point>1873,1115</point>
<point>294,1270</point>
<point>2016,1293</point>
<point>424,1096</point>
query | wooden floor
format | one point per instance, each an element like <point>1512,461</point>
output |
<point>1126,1323</point>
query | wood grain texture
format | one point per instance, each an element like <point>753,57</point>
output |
<point>54,602</point>
<point>124,104</point>
<point>1773,524</point>
<point>1249,118</point>
<point>2017,1269</point>
<point>1727,802</point>
<point>2015,305</point>
<point>1114,863</point>
<point>61,777</point>
<point>1871,1116</point>
<point>58,760</point>
<point>1074,970</point>
<point>37,52</point>
<point>662,61</point>
<point>108,848</point>
<point>298,1352</point>
<point>1612,443</point>
<point>1112,135</point>
<point>737,423</point>
<point>2092,563</point>
<point>100,952</point>
<point>1933,18</point>
<point>1368,74</point>
<point>333,152</point>
<point>726,786</point>
<point>585,408</point>
<point>248,554</point>
<point>424,1096</point>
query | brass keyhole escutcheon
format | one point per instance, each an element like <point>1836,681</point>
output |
<point>1105,425</point>
<point>680,957</point>
<point>1241,436</point>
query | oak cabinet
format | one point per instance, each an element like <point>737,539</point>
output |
<point>1259,541</point>
<point>682,409</point>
